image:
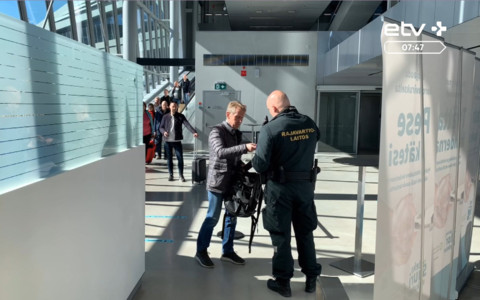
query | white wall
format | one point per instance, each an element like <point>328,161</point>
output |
<point>77,235</point>
<point>299,82</point>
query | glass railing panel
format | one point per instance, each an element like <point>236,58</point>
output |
<point>62,104</point>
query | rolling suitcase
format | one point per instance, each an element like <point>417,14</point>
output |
<point>150,151</point>
<point>199,167</point>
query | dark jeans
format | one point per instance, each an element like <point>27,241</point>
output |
<point>158,143</point>
<point>186,98</point>
<point>177,146</point>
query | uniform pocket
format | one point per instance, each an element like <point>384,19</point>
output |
<point>270,223</point>
<point>311,221</point>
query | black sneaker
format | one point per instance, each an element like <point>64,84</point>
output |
<point>233,258</point>
<point>170,178</point>
<point>182,179</point>
<point>204,260</point>
<point>311,284</point>
<point>283,288</point>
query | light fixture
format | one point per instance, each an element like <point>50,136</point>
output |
<point>263,18</point>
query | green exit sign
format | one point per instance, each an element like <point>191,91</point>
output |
<point>220,86</point>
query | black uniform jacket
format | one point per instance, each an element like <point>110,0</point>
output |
<point>288,140</point>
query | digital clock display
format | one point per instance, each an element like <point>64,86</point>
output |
<point>414,47</point>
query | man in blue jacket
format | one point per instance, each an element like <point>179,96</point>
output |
<point>224,162</point>
<point>285,154</point>
<point>171,128</point>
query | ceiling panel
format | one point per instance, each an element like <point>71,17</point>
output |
<point>274,15</point>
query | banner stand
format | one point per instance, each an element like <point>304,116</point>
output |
<point>356,265</point>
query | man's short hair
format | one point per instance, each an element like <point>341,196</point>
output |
<point>234,105</point>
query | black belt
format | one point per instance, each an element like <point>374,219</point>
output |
<point>298,176</point>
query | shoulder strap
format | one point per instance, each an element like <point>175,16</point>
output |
<point>151,120</point>
<point>258,186</point>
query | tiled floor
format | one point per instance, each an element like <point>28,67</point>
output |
<point>175,211</point>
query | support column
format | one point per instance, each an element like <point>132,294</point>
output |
<point>174,37</point>
<point>130,34</point>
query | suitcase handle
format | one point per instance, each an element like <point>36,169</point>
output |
<point>195,149</point>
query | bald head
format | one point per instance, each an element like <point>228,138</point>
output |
<point>276,102</point>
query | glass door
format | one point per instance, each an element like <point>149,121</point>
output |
<point>337,121</point>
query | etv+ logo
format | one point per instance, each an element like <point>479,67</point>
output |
<point>439,29</point>
<point>399,30</point>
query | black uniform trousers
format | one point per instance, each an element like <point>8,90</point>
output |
<point>286,204</point>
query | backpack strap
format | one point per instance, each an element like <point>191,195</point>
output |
<point>255,219</point>
<point>223,224</point>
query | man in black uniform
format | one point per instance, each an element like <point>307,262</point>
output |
<point>285,153</point>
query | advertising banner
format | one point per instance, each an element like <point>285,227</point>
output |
<point>405,127</point>
<point>445,98</point>
<point>469,160</point>
<point>426,165</point>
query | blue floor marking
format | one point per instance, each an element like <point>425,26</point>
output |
<point>159,240</point>
<point>166,217</point>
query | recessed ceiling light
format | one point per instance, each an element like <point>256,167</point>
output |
<point>259,11</point>
<point>263,18</point>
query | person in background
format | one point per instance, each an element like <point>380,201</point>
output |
<point>164,110</point>
<point>147,127</point>
<point>166,97</point>
<point>171,128</point>
<point>186,89</point>
<point>156,103</point>
<point>176,93</point>
<point>151,110</point>
<point>225,153</point>
<point>285,155</point>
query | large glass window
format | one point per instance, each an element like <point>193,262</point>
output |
<point>100,24</point>
<point>337,121</point>
<point>97,27</point>
<point>81,20</point>
<point>36,12</point>
<point>10,8</point>
<point>62,18</point>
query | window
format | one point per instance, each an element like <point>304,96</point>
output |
<point>255,60</point>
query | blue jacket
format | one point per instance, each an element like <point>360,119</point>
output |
<point>158,120</point>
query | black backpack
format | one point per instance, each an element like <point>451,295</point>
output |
<point>245,200</point>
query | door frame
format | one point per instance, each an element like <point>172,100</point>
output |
<point>342,89</point>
